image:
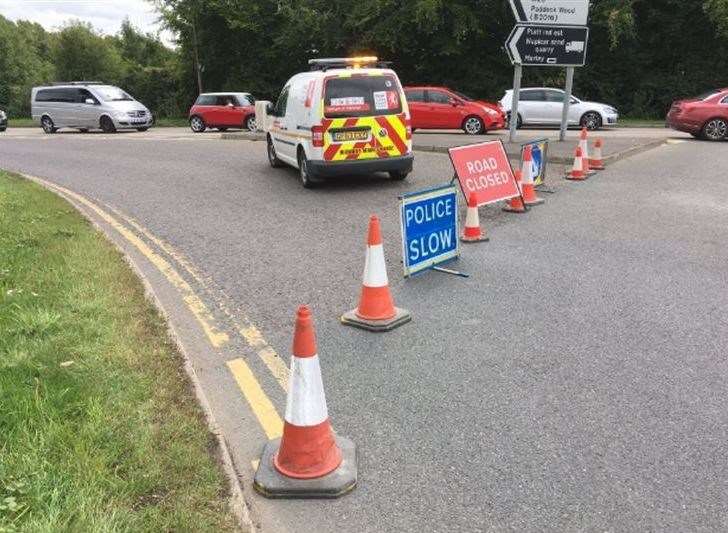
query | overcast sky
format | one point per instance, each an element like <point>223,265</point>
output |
<point>105,15</point>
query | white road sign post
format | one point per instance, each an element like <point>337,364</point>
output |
<point>549,33</point>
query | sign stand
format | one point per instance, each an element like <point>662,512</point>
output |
<point>517,73</point>
<point>567,102</point>
<point>449,271</point>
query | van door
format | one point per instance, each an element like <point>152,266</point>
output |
<point>280,130</point>
<point>87,115</point>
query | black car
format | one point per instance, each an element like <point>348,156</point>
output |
<point>3,120</point>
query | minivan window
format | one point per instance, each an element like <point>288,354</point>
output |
<point>112,94</point>
<point>360,96</point>
<point>57,95</point>
<point>84,94</point>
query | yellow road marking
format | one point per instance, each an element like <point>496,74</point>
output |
<point>261,405</point>
<point>252,335</point>
<point>196,306</point>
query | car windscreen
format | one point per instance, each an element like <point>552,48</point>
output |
<point>706,95</point>
<point>246,99</point>
<point>112,94</point>
<point>464,96</point>
<point>361,96</point>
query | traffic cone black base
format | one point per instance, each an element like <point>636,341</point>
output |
<point>272,484</point>
<point>401,317</point>
<point>468,240</point>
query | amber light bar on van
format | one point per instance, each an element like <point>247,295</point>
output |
<point>347,62</point>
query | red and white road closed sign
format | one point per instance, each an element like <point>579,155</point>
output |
<point>484,169</point>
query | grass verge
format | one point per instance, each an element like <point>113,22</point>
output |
<point>99,427</point>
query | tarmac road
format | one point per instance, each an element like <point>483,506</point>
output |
<point>576,381</point>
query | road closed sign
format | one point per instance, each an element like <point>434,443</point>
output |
<point>429,221</point>
<point>484,170</point>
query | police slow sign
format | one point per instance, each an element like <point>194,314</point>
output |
<point>429,221</point>
<point>484,170</point>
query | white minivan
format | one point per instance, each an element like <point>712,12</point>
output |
<point>346,116</point>
<point>87,105</point>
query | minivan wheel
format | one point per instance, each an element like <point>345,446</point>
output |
<point>197,125</point>
<point>715,130</point>
<point>272,156</point>
<point>142,129</point>
<point>398,175</point>
<point>473,126</point>
<point>47,124</point>
<point>591,121</point>
<point>107,125</point>
<point>250,123</point>
<point>303,170</point>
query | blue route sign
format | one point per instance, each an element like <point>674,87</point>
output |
<point>429,221</point>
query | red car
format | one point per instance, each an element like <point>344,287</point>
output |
<point>223,111</point>
<point>441,108</point>
<point>704,117</point>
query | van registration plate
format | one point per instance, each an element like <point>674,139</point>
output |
<point>343,136</point>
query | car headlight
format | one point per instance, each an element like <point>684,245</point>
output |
<point>612,110</point>
<point>3,116</point>
<point>120,115</point>
<point>491,112</point>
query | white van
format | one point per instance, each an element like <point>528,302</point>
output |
<point>85,105</point>
<point>347,116</point>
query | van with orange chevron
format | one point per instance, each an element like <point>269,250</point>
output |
<point>344,117</point>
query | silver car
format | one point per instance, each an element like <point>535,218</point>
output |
<point>87,105</point>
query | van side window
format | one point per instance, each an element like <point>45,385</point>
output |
<point>84,94</point>
<point>282,103</point>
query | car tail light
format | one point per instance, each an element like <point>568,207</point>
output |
<point>317,136</point>
<point>408,125</point>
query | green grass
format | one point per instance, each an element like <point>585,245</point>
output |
<point>175,122</point>
<point>99,428</point>
<point>626,122</point>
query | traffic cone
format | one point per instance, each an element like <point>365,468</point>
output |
<point>309,461</point>
<point>472,232</point>
<point>577,172</point>
<point>515,205</point>
<point>596,162</point>
<point>376,310</point>
<point>584,145</point>
<point>529,189</point>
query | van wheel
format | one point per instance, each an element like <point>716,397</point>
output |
<point>142,129</point>
<point>473,125</point>
<point>197,124</point>
<point>398,175</point>
<point>107,125</point>
<point>83,130</point>
<point>250,123</point>
<point>272,156</point>
<point>303,170</point>
<point>47,124</point>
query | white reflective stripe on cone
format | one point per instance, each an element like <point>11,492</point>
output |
<point>375,269</point>
<point>526,172</point>
<point>306,402</point>
<point>471,218</point>
<point>584,148</point>
<point>577,163</point>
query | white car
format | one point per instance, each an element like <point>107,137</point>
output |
<point>543,106</point>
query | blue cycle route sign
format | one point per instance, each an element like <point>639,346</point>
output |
<point>429,221</point>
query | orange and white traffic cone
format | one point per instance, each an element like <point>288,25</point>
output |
<point>515,205</point>
<point>584,145</point>
<point>529,188</point>
<point>472,232</point>
<point>577,172</point>
<point>309,460</point>
<point>376,310</point>
<point>596,162</point>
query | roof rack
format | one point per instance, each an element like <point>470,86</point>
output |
<point>348,62</point>
<point>78,83</point>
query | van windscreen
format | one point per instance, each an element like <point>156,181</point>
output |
<point>360,96</point>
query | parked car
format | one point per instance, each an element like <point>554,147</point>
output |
<point>443,108</point>
<point>86,105</point>
<point>3,120</point>
<point>223,111</point>
<point>544,106</point>
<point>705,116</point>
<point>343,117</point>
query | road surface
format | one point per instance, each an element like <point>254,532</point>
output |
<point>576,381</point>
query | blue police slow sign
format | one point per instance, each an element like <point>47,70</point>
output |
<point>429,221</point>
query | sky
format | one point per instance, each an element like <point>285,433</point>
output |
<point>104,15</point>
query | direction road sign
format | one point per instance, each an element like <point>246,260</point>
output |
<point>552,12</point>
<point>548,46</point>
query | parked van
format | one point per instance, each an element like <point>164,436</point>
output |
<point>86,105</point>
<point>345,117</point>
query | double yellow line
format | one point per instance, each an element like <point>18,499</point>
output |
<point>262,407</point>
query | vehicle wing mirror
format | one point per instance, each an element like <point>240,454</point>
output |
<point>90,101</point>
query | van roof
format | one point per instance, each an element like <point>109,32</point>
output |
<point>223,93</point>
